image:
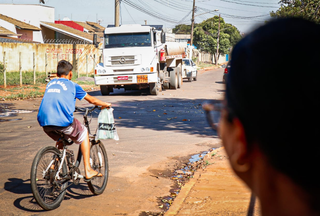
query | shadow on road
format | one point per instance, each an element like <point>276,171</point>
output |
<point>173,114</point>
<point>28,203</point>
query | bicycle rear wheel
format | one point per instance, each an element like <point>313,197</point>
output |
<point>47,190</point>
<point>99,162</point>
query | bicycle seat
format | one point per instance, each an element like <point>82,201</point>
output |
<point>68,141</point>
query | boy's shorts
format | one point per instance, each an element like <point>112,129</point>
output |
<point>77,132</point>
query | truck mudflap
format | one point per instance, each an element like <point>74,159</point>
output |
<point>125,79</point>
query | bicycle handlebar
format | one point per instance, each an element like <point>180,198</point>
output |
<point>86,110</point>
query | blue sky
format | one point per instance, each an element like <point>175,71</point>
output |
<point>244,14</point>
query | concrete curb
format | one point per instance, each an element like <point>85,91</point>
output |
<point>175,208</point>
<point>180,199</point>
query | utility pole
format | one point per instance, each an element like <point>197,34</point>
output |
<point>117,13</point>
<point>192,21</point>
<point>218,42</point>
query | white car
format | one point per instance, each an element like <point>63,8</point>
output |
<point>189,70</point>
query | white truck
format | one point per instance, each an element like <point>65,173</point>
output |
<point>137,57</point>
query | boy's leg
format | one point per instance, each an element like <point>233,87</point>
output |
<point>85,150</point>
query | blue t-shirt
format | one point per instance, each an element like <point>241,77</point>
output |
<point>58,103</point>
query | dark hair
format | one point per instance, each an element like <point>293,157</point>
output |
<point>273,88</point>
<point>64,67</point>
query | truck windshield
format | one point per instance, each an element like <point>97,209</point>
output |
<point>186,62</point>
<point>127,40</point>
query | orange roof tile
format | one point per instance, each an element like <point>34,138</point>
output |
<point>96,25</point>
<point>86,26</point>
<point>18,23</point>
<point>4,31</point>
<point>70,31</point>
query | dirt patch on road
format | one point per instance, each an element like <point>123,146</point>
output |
<point>179,170</point>
<point>215,190</point>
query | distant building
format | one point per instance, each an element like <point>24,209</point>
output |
<point>36,23</point>
<point>11,27</point>
<point>183,38</point>
<point>24,20</point>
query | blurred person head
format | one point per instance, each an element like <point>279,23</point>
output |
<point>64,68</point>
<point>270,126</point>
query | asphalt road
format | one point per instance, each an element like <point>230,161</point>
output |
<point>157,134</point>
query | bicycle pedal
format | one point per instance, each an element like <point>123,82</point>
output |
<point>76,176</point>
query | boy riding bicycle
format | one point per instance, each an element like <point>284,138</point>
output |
<point>56,113</point>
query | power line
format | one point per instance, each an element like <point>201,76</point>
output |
<point>255,2</point>
<point>235,16</point>
<point>215,6</point>
<point>150,12</point>
<point>253,5</point>
<point>129,13</point>
<point>185,17</point>
<point>173,5</point>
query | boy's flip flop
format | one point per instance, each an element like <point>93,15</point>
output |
<point>89,179</point>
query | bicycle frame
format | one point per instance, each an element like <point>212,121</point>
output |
<point>64,152</point>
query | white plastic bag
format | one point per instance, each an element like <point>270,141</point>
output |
<point>106,128</point>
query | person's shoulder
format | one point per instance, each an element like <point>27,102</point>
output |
<point>78,87</point>
<point>75,84</point>
<point>71,82</point>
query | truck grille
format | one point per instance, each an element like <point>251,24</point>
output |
<point>122,60</point>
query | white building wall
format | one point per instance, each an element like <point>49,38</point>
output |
<point>31,14</point>
<point>222,59</point>
<point>170,37</point>
<point>37,36</point>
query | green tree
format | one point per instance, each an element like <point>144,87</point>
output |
<point>206,35</point>
<point>182,29</point>
<point>306,9</point>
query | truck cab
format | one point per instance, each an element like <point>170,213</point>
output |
<point>130,58</point>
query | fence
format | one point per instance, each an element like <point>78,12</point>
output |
<point>30,63</point>
<point>208,58</point>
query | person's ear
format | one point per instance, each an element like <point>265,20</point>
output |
<point>70,75</point>
<point>240,155</point>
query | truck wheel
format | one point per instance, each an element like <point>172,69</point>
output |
<point>154,88</point>
<point>179,77</point>
<point>110,88</point>
<point>195,78</point>
<point>166,85</point>
<point>173,79</point>
<point>104,90</point>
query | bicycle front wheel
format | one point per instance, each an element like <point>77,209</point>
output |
<point>99,162</point>
<point>47,189</point>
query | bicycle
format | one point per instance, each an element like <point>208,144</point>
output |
<point>52,169</point>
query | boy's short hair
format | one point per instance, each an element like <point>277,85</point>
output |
<point>273,88</point>
<point>64,67</point>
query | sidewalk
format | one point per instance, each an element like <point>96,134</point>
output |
<point>213,191</point>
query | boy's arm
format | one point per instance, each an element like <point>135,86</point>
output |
<point>97,102</point>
